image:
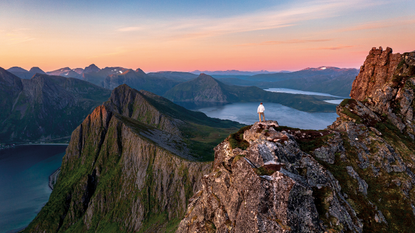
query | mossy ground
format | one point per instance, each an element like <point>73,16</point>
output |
<point>236,140</point>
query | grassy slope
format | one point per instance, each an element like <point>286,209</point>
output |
<point>201,132</point>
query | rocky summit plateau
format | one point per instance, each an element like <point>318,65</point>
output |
<point>120,174</point>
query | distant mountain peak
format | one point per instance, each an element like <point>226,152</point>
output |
<point>140,71</point>
<point>36,69</point>
<point>16,69</point>
<point>204,76</point>
<point>91,69</point>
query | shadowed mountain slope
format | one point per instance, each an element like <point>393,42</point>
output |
<point>44,107</point>
<point>140,81</point>
<point>174,75</point>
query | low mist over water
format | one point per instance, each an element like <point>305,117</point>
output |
<point>293,91</point>
<point>246,113</point>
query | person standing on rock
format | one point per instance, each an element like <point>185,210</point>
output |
<point>260,111</point>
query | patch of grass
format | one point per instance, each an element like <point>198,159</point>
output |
<point>237,158</point>
<point>401,63</point>
<point>236,140</point>
<point>263,171</point>
<point>310,144</point>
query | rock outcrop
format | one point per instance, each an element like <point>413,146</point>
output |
<point>268,187</point>
<point>386,85</point>
<point>355,176</point>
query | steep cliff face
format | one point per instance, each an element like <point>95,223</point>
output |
<point>386,85</point>
<point>130,167</point>
<point>355,176</point>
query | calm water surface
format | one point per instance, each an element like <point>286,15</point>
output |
<point>246,113</point>
<point>24,176</point>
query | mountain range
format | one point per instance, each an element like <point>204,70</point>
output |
<point>324,79</point>
<point>24,74</point>
<point>233,72</point>
<point>50,98</point>
<point>127,169</point>
<point>44,107</point>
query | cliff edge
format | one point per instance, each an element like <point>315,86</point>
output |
<point>355,176</point>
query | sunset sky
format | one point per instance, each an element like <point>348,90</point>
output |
<point>205,35</point>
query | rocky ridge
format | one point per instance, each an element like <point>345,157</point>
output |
<point>130,167</point>
<point>355,176</point>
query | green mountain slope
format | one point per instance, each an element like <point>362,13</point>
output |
<point>44,107</point>
<point>140,81</point>
<point>131,166</point>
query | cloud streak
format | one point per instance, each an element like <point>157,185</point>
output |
<point>129,29</point>
<point>16,36</point>
<point>273,18</point>
<point>379,24</point>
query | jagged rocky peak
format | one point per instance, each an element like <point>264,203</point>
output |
<point>385,86</point>
<point>262,182</point>
<point>376,71</point>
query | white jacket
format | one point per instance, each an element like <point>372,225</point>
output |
<point>261,108</point>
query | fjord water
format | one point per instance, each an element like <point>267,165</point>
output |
<point>24,176</point>
<point>246,113</point>
<point>293,91</point>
